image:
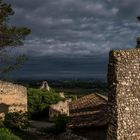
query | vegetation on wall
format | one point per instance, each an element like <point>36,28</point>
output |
<point>39,101</point>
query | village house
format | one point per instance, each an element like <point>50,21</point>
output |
<point>85,115</point>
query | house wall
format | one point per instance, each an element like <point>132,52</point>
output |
<point>61,107</point>
<point>124,95</point>
<point>13,98</point>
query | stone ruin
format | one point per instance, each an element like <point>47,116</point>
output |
<point>13,98</point>
<point>45,86</point>
<point>62,107</point>
<point>124,95</point>
<point>62,95</point>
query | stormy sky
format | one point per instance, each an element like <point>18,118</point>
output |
<point>72,38</point>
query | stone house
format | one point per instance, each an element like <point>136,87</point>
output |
<point>61,107</point>
<point>86,114</point>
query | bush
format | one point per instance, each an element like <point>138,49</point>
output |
<point>40,100</point>
<point>16,120</point>
<point>60,125</point>
<point>6,134</point>
<point>1,124</point>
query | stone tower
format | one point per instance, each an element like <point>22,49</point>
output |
<point>124,95</point>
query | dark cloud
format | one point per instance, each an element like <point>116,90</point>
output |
<point>128,9</point>
<point>77,28</point>
<point>60,67</point>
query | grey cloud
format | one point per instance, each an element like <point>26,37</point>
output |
<point>84,41</point>
<point>128,9</point>
<point>77,28</point>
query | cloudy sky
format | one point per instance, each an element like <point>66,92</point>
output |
<point>72,38</point>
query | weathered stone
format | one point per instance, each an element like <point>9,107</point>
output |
<point>61,107</point>
<point>61,94</point>
<point>13,98</point>
<point>124,95</point>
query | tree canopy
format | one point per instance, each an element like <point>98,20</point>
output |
<point>10,36</point>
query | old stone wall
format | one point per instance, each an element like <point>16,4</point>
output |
<point>13,98</point>
<point>124,95</point>
<point>61,107</point>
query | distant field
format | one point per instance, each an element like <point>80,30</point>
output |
<point>72,87</point>
<point>80,88</point>
<point>79,91</point>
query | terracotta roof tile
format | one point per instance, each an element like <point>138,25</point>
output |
<point>90,110</point>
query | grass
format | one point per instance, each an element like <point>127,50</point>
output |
<point>6,134</point>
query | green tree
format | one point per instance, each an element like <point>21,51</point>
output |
<point>10,37</point>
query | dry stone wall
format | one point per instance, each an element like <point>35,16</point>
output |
<point>124,95</point>
<point>13,98</point>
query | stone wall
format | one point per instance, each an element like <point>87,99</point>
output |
<point>61,107</point>
<point>124,95</point>
<point>13,98</point>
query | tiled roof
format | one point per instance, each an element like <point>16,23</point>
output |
<point>90,110</point>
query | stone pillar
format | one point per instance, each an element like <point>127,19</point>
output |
<point>124,95</point>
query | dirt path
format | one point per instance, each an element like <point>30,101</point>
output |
<point>41,124</point>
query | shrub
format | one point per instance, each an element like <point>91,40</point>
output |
<point>40,100</point>
<point>59,127</point>
<point>60,123</point>
<point>6,134</point>
<point>16,120</point>
<point>1,124</point>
